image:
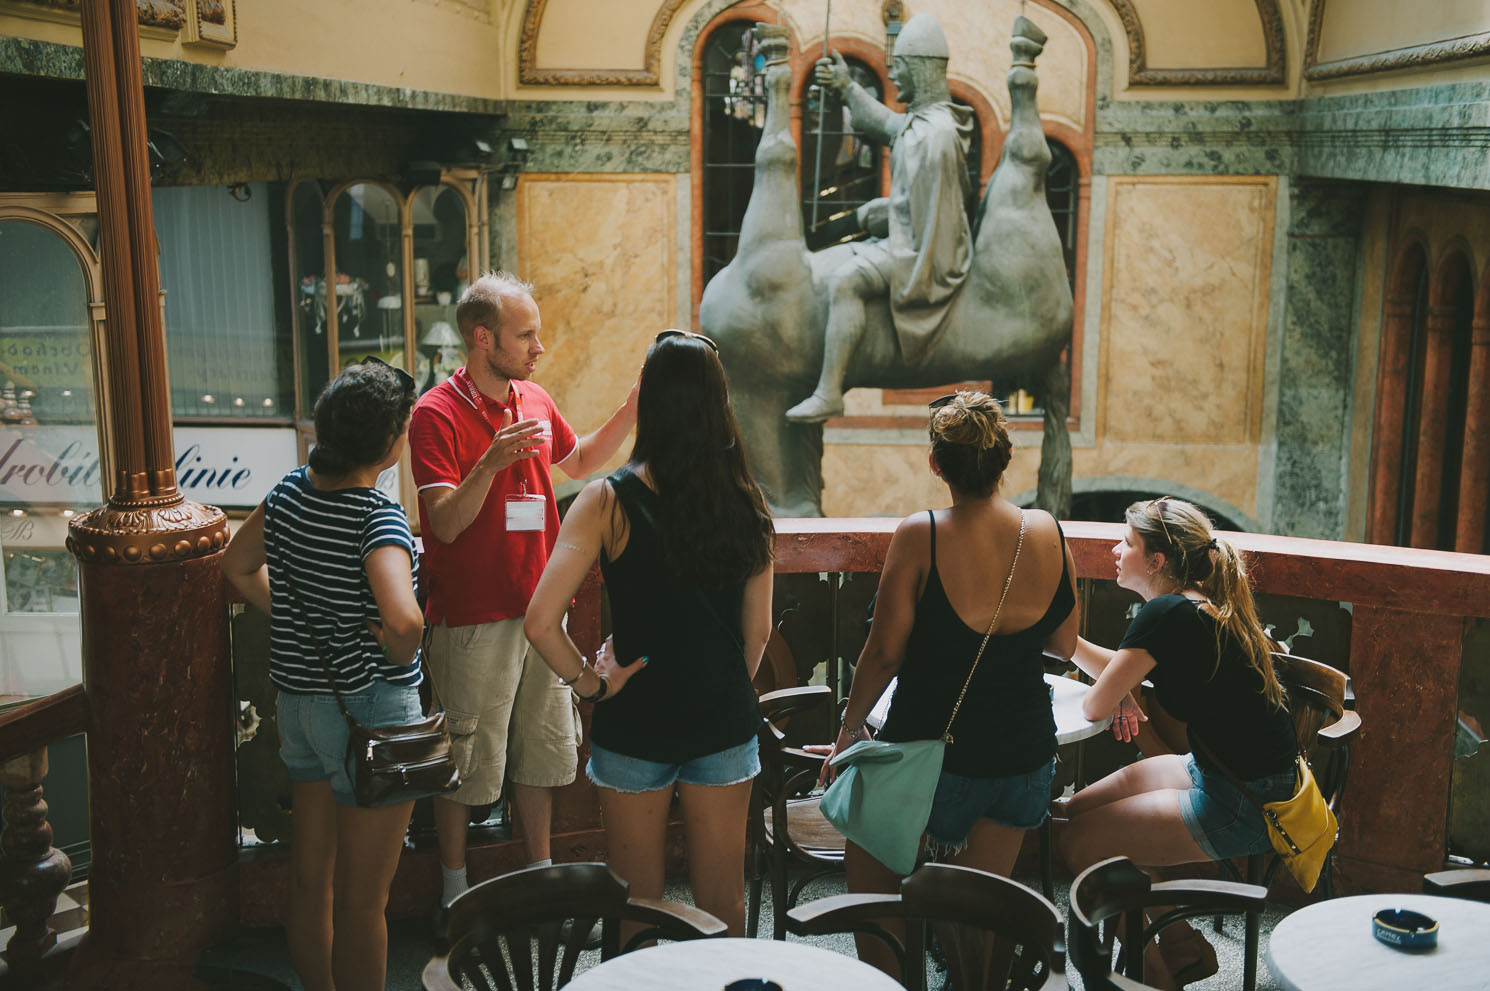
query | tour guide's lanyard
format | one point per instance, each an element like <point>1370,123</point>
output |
<point>525,512</point>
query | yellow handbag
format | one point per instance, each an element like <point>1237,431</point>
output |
<point>1302,828</point>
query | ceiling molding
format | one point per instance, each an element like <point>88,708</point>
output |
<point>530,74</point>
<point>1411,57</point>
<point>1274,73</point>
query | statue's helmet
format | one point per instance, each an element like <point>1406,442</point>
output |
<point>922,36</point>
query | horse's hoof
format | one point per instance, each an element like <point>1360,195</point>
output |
<point>815,409</point>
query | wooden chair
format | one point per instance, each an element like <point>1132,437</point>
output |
<point>786,826</point>
<point>1325,728</point>
<point>1108,899</point>
<point>954,900</point>
<point>1465,882</point>
<point>507,934</point>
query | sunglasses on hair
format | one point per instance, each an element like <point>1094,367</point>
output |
<point>941,401</point>
<point>404,378</point>
<point>1159,511</point>
<point>690,334</point>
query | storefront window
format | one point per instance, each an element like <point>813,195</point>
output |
<point>49,461</point>
<point>308,268</point>
<point>368,287</point>
<point>442,270</point>
<point>228,326</point>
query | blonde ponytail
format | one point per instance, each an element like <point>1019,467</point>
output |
<point>1236,614</point>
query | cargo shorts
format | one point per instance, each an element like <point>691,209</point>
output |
<point>510,717</point>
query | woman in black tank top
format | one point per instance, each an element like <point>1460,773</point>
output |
<point>979,568</point>
<point>684,540</point>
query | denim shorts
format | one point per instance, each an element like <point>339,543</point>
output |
<point>632,775</point>
<point>1222,820</point>
<point>1020,801</point>
<point>313,733</point>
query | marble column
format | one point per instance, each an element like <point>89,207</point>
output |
<point>1433,421</point>
<point>1316,373</point>
<point>1391,404</point>
<point>1474,470</point>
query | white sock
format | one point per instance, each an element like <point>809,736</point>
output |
<point>545,862</point>
<point>455,883</point>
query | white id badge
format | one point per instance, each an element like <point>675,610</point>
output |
<point>525,513</point>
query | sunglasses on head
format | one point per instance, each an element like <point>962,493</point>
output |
<point>941,401</point>
<point>687,333</point>
<point>1159,512</point>
<point>404,378</point>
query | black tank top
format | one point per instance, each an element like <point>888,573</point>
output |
<point>694,697</point>
<point>1005,725</point>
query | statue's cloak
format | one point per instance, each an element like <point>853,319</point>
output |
<point>930,242</point>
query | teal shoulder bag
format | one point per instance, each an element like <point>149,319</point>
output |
<point>881,799</point>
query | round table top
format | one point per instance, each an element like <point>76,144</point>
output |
<point>710,964</point>
<point>1065,703</point>
<point>1329,945</point>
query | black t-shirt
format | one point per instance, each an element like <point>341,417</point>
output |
<point>1220,699</point>
<point>694,697</point>
<point>1005,726</point>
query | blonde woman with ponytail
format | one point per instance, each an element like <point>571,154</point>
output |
<point>981,567</point>
<point>1198,640</point>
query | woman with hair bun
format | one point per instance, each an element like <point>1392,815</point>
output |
<point>1198,639</point>
<point>980,568</point>
<point>330,558</point>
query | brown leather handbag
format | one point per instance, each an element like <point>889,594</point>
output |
<point>392,764</point>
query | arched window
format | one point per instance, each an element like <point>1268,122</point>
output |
<point>851,170</point>
<point>1412,412</point>
<point>1062,186</point>
<point>734,111</point>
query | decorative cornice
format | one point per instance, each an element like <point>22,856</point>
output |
<point>1272,74</point>
<point>1412,57</point>
<point>177,531</point>
<point>529,73</point>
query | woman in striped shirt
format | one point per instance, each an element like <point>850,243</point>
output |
<point>331,560</point>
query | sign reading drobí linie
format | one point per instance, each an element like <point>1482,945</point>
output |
<point>231,467</point>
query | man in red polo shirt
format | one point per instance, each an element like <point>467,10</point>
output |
<point>480,445</point>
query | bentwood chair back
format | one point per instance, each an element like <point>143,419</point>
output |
<point>1465,882</point>
<point>1108,901</point>
<point>971,912</point>
<point>786,826</point>
<point>508,934</point>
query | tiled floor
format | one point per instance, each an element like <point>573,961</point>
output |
<point>256,959</point>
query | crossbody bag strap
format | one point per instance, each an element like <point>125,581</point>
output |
<point>321,653</point>
<point>1267,813</point>
<point>998,610</point>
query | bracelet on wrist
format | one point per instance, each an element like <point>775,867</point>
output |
<point>600,692</point>
<point>584,666</point>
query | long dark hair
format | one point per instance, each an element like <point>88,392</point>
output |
<point>712,517</point>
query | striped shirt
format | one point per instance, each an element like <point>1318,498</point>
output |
<point>321,538</point>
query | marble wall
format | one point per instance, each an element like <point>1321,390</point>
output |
<point>1315,370</point>
<point>600,252</point>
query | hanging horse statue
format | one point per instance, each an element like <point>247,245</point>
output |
<point>768,308</point>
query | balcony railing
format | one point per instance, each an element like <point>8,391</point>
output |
<point>1407,625</point>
